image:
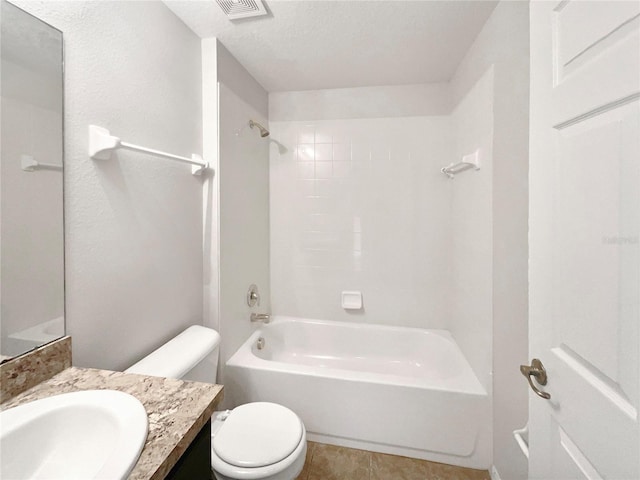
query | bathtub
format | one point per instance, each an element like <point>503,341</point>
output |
<point>396,390</point>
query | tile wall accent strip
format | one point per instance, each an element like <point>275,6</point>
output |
<point>38,365</point>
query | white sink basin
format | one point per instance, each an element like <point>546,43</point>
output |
<point>93,434</point>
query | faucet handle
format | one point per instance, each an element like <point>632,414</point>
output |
<point>253,297</point>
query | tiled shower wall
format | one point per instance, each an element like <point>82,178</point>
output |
<point>362,205</point>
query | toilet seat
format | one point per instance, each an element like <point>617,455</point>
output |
<point>259,440</point>
<point>258,434</point>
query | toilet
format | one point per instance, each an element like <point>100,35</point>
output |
<point>255,441</point>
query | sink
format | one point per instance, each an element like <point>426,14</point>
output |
<point>92,434</point>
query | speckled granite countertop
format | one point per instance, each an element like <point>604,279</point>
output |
<point>177,410</point>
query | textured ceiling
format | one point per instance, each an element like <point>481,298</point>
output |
<point>307,45</point>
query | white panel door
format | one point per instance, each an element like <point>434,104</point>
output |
<point>584,239</point>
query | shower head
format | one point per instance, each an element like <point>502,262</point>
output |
<point>263,131</point>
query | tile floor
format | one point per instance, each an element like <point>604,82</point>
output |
<point>328,462</point>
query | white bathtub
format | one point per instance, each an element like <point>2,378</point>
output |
<point>404,391</point>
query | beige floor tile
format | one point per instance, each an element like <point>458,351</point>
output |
<point>440,471</point>
<point>328,462</point>
<point>337,463</point>
<point>392,467</point>
<point>304,475</point>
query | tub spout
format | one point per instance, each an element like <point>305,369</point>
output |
<point>260,317</point>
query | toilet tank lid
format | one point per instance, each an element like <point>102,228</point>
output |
<point>179,355</point>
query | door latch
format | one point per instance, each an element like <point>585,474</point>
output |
<point>536,370</point>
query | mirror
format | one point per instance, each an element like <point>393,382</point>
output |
<point>31,208</point>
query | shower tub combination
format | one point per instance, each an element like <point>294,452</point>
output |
<point>397,390</point>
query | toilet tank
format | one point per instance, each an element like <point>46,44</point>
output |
<point>192,355</point>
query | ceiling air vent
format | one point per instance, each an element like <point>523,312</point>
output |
<point>235,9</point>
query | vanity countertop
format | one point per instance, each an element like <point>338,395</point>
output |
<point>177,410</point>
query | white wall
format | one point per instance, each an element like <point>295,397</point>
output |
<point>244,221</point>
<point>362,102</point>
<point>133,224</point>
<point>210,215</point>
<point>238,205</point>
<point>240,81</point>
<point>504,43</point>
<point>471,230</point>
<point>362,205</point>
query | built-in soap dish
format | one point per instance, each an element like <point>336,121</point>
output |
<point>352,300</point>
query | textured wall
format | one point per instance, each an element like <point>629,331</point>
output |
<point>133,224</point>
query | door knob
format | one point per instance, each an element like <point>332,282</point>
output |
<point>536,369</point>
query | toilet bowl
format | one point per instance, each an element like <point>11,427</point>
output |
<point>255,441</point>
<point>259,440</point>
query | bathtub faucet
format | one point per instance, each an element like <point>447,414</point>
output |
<point>260,317</point>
